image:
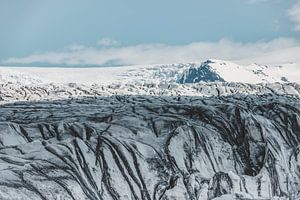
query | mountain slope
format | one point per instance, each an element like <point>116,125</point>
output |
<point>220,71</point>
<point>203,73</point>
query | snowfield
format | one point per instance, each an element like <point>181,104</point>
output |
<point>198,131</point>
<point>172,73</point>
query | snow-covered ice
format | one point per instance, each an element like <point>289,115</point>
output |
<point>144,132</point>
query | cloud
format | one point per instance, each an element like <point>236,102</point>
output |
<point>108,42</point>
<point>281,50</point>
<point>294,14</point>
<point>75,47</point>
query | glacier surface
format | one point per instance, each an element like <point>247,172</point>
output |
<point>149,134</point>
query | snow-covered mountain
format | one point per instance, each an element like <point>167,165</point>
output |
<point>220,71</point>
<point>147,133</point>
<point>207,71</point>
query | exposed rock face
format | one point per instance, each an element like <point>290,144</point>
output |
<point>202,73</point>
<point>142,147</point>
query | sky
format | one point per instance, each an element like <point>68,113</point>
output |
<point>118,32</point>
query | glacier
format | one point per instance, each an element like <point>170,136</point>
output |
<point>146,135</point>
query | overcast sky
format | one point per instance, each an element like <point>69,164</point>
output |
<point>119,32</point>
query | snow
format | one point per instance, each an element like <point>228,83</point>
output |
<point>135,132</point>
<point>230,72</point>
